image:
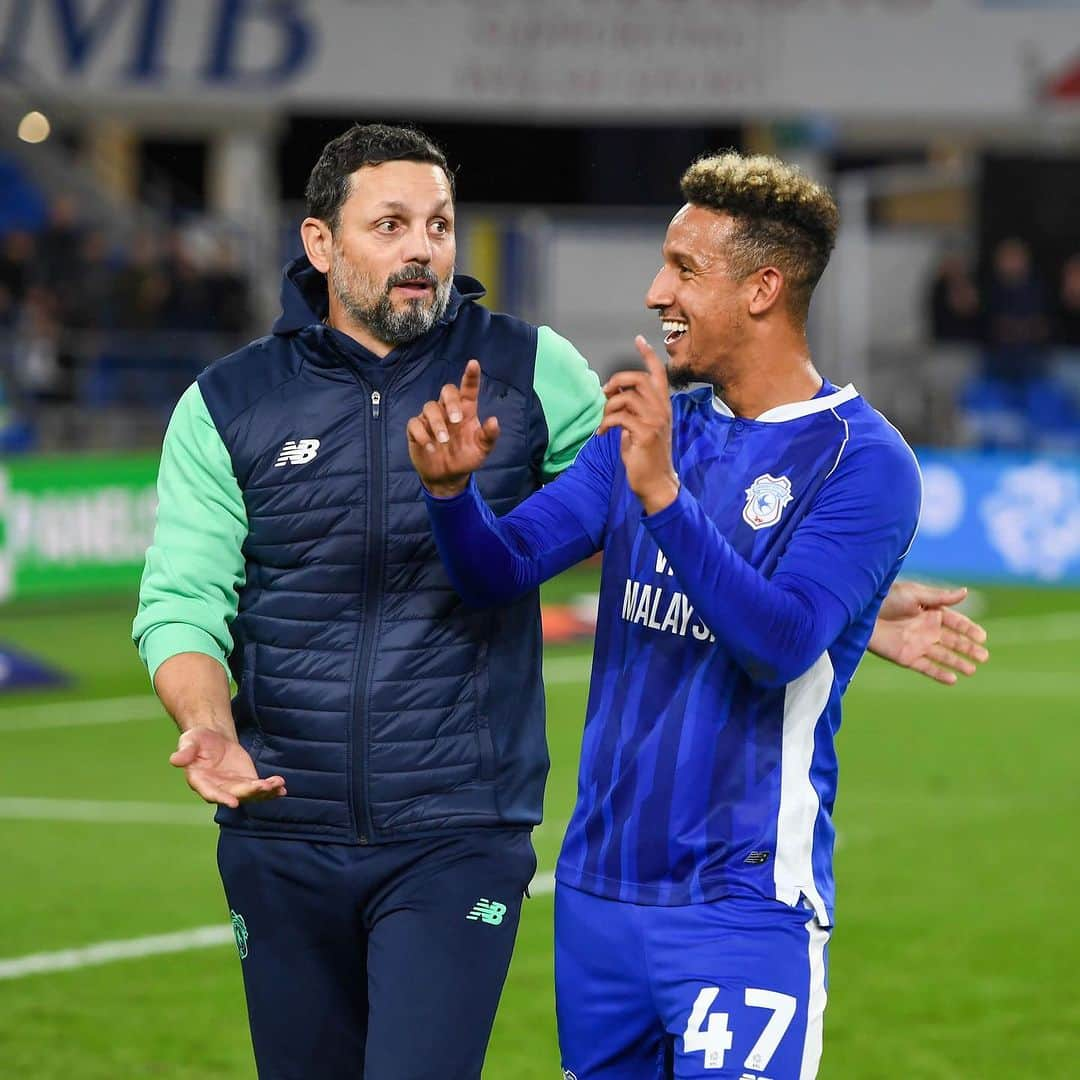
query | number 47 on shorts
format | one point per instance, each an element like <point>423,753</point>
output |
<point>711,1034</point>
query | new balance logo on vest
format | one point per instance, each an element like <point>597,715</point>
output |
<point>297,453</point>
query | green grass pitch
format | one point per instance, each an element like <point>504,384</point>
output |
<point>955,957</point>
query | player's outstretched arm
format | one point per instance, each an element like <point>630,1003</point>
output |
<point>832,569</point>
<point>447,441</point>
<point>917,628</point>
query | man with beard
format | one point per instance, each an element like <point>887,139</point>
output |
<point>751,531</point>
<point>382,765</point>
<point>383,761</point>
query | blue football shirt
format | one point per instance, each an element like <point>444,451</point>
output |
<point>729,626</point>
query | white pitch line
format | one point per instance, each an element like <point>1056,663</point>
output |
<point>563,670</point>
<point>887,679</point>
<point>102,812</point>
<point>878,679</point>
<point>108,952</point>
<point>542,885</point>
<point>61,714</point>
<point>1032,629</point>
<point>1064,626</point>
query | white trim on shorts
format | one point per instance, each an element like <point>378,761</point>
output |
<point>815,1005</point>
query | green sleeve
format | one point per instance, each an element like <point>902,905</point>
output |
<point>195,566</point>
<point>570,395</point>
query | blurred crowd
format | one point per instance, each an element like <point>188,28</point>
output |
<point>93,319</point>
<point>1025,392</point>
<point>89,319</point>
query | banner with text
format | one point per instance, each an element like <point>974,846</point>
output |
<point>998,517</point>
<point>647,58</point>
<point>72,525</point>
<point>82,524</point>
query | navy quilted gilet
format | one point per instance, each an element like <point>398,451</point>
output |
<point>390,709</point>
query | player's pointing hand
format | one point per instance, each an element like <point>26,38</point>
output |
<point>640,404</point>
<point>447,441</point>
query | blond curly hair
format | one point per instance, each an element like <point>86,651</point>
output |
<point>783,218</point>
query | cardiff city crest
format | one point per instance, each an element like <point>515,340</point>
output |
<point>766,498</point>
<point>240,931</point>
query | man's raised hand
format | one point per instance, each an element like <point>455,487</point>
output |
<point>447,442</point>
<point>639,402</point>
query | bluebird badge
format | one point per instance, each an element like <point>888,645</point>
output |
<point>766,498</point>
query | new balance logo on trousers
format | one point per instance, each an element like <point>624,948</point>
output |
<point>490,911</point>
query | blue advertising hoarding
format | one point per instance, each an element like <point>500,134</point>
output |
<point>998,517</point>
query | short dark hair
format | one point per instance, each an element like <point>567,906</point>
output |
<point>328,185</point>
<point>782,217</point>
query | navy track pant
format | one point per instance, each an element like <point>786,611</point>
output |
<point>381,962</point>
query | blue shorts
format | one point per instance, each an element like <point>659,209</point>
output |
<point>729,990</point>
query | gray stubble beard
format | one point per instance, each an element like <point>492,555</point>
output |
<point>390,325</point>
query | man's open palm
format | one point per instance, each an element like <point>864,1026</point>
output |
<point>220,770</point>
<point>917,628</point>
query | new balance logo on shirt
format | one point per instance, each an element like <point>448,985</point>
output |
<point>489,911</point>
<point>297,453</point>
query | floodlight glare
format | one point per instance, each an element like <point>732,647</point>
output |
<point>34,127</point>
